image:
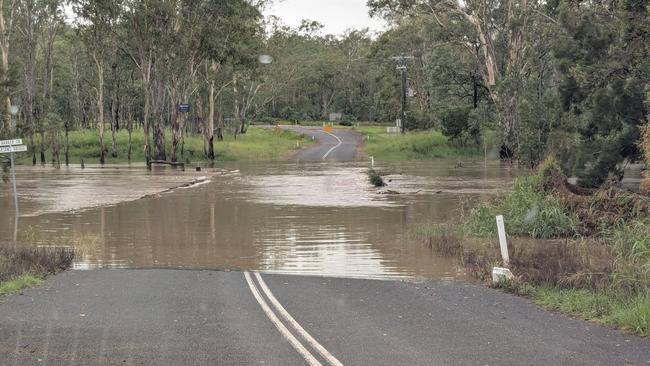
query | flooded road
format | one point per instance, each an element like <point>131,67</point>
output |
<point>316,219</point>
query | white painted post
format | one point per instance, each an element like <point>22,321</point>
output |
<point>502,240</point>
<point>13,178</point>
<point>372,161</point>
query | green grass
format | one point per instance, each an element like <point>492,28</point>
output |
<point>19,283</point>
<point>613,308</point>
<point>256,144</point>
<point>527,211</point>
<point>417,145</point>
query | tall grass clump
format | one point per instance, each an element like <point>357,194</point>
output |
<point>17,261</point>
<point>631,243</point>
<point>528,210</point>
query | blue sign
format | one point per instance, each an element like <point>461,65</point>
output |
<point>184,108</point>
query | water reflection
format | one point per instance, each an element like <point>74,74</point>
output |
<point>319,219</point>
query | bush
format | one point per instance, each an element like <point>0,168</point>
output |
<point>456,125</point>
<point>375,179</point>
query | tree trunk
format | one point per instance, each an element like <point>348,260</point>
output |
<point>67,144</point>
<point>210,128</point>
<point>4,47</point>
<point>176,133</point>
<point>100,104</point>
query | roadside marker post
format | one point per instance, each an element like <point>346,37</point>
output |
<point>503,243</point>
<point>10,147</point>
<point>500,274</point>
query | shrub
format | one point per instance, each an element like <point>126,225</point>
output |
<point>375,179</point>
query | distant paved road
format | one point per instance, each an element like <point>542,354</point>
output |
<point>167,317</point>
<point>339,145</point>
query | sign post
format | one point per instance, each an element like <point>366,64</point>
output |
<point>9,147</point>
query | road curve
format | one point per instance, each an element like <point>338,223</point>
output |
<point>339,145</point>
<point>170,317</point>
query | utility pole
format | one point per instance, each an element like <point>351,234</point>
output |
<point>404,85</point>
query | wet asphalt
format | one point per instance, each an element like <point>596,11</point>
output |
<point>174,317</point>
<point>339,145</point>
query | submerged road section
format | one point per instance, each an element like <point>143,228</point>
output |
<point>338,145</point>
<point>169,317</point>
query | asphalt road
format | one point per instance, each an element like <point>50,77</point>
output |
<point>167,317</point>
<point>339,145</point>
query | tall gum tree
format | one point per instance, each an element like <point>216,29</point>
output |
<point>97,18</point>
<point>500,28</point>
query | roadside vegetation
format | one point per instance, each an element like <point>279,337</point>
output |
<point>423,145</point>
<point>257,144</point>
<point>584,252</point>
<point>22,267</point>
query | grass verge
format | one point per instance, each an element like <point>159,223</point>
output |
<point>256,144</point>
<point>420,145</point>
<point>19,283</point>
<point>22,267</point>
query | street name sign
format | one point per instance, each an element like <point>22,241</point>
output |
<point>12,149</point>
<point>11,142</point>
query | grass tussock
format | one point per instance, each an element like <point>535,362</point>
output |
<point>20,264</point>
<point>528,211</point>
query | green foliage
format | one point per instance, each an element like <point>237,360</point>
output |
<point>610,307</point>
<point>456,125</point>
<point>256,144</point>
<point>527,211</point>
<point>19,283</point>
<point>375,178</point>
<point>421,145</point>
<point>603,62</point>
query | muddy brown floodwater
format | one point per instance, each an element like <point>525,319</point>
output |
<point>315,219</point>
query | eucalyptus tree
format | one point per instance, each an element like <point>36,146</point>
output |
<point>231,35</point>
<point>97,20</point>
<point>498,28</point>
<point>7,10</point>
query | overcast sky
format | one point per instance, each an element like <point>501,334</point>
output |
<point>336,15</point>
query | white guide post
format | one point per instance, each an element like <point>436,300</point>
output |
<point>503,243</point>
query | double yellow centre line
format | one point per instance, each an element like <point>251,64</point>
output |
<point>286,333</point>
